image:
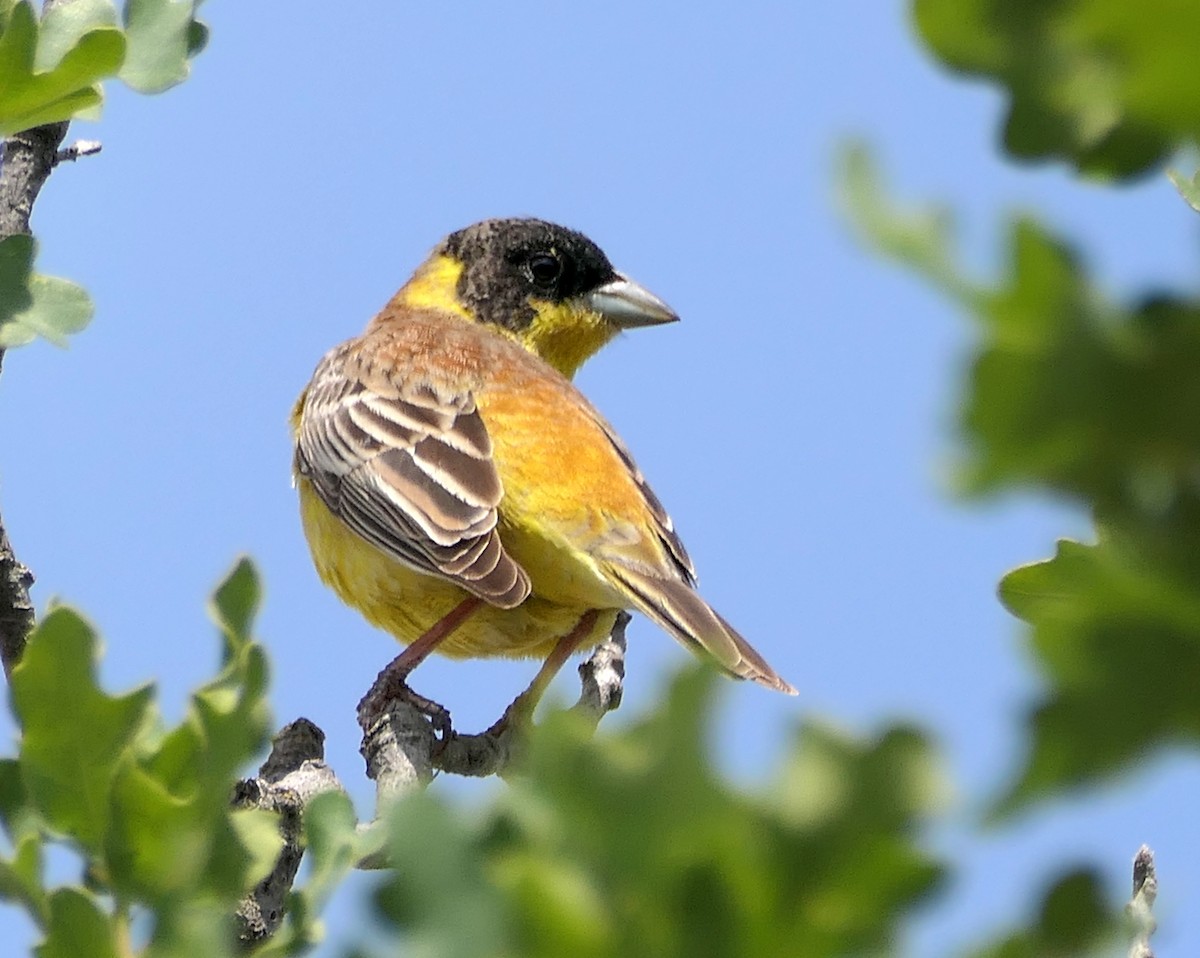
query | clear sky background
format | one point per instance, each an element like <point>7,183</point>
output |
<point>798,423</point>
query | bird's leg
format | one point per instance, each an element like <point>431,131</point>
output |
<point>392,682</point>
<point>521,710</point>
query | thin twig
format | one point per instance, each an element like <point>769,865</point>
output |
<point>78,149</point>
<point>1141,906</point>
<point>293,774</point>
<point>402,753</point>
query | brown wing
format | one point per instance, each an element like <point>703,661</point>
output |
<point>666,594</point>
<point>409,468</point>
<point>664,527</point>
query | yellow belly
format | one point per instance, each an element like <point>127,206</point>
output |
<point>407,603</point>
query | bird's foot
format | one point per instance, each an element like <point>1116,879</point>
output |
<point>392,686</point>
<point>517,718</point>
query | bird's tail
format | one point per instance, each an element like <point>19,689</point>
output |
<point>675,607</point>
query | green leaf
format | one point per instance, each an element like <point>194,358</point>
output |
<point>30,97</point>
<point>162,35</point>
<point>157,846</point>
<point>259,843</point>
<point>465,917</point>
<point>173,835</point>
<point>1188,187</point>
<point>1106,85</point>
<point>6,9</point>
<point>16,813</point>
<point>235,604</point>
<point>68,23</point>
<point>633,844</point>
<point>1091,399</point>
<point>74,735</point>
<point>331,839</point>
<point>21,879</point>
<point>78,927</point>
<point>1118,639</point>
<point>197,38</point>
<point>33,305</point>
<point>1074,919</point>
<point>1068,390</point>
<point>332,849</point>
<point>919,238</point>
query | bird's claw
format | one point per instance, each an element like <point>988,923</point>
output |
<point>391,688</point>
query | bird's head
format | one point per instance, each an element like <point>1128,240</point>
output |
<point>548,287</point>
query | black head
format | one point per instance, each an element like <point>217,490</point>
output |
<point>507,263</point>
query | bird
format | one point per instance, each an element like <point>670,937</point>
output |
<point>460,491</point>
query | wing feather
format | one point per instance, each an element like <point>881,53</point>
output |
<point>409,469</point>
<point>665,528</point>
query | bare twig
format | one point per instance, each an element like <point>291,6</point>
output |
<point>292,775</point>
<point>78,149</point>
<point>1141,906</point>
<point>28,159</point>
<point>603,675</point>
<point>402,751</point>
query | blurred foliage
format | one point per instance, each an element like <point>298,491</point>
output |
<point>1095,400</point>
<point>632,844</point>
<point>1073,918</point>
<point>143,808</point>
<point>1107,85</point>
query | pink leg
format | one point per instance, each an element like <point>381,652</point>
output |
<point>391,683</point>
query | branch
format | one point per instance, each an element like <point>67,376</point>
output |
<point>25,163</point>
<point>402,753</point>
<point>402,750</point>
<point>1141,906</point>
<point>292,775</point>
<point>28,159</point>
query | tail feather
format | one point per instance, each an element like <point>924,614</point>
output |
<point>675,607</point>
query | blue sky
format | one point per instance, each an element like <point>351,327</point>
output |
<point>798,423</point>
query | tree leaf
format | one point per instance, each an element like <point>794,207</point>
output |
<point>1118,640</point>
<point>74,735</point>
<point>632,844</point>
<point>920,238</point>
<point>1073,918</point>
<point>33,305</point>
<point>78,927</point>
<point>1091,399</point>
<point>235,603</point>
<point>1188,187</point>
<point>1106,85</point>
<point>332,849</point>
<point>30,97</point>
<point>21,878</point>
<point>64,25</point>
<point>162,36</point>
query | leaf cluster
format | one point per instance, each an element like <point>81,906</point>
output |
<point>633,844</point>
<point>1106,85</point>
<point>1071,392</point>
<point>50,71</point>
<point>143,808</point>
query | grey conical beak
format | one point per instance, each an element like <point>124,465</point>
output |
<point>627,305</point>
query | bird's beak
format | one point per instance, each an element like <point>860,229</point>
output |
<point>627,305</point>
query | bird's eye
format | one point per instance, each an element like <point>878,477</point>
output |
<point>545,268</point>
